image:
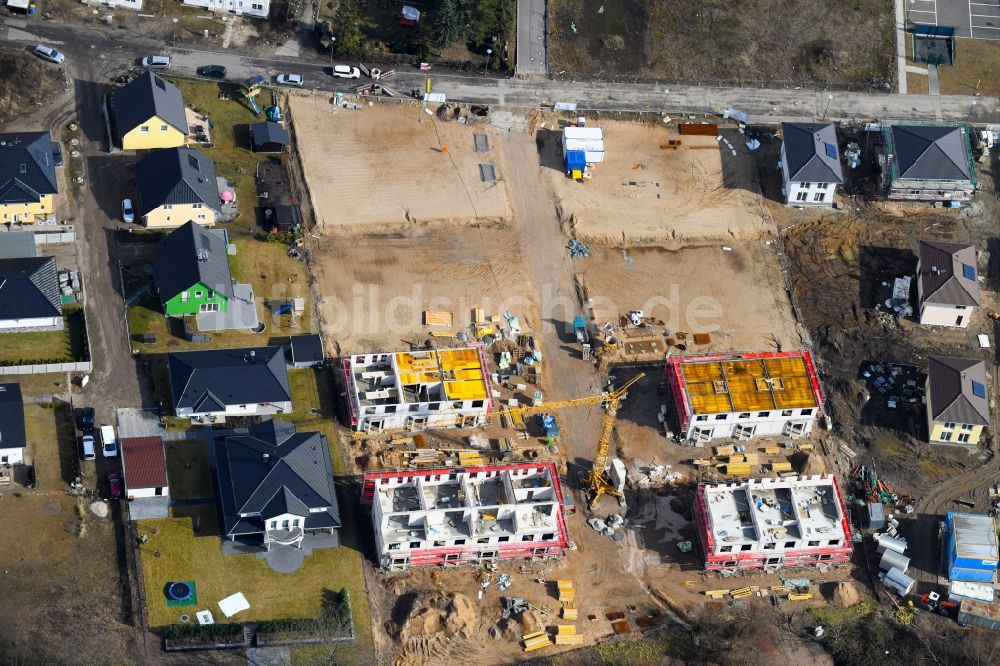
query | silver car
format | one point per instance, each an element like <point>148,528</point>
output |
<point>50,54</point>
<point>289,79</point>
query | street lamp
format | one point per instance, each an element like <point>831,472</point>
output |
<point>829,98</point>
<point>489,52</point>
<point>174,19</point>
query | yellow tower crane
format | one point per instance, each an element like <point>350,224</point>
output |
<point>596,482</point>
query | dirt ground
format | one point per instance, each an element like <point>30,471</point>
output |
<point>763,42</point>
<point>642,193</point>
<point>383,168</point>
<point>735,295</point>
<point>374,289</point>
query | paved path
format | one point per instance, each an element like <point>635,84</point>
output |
<point>531,48</point>
<point>901,45</point>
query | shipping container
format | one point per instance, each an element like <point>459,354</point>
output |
<point>971,575</point>
<point>959,590</point>
<point>969,543</point>
<point>979,614</point>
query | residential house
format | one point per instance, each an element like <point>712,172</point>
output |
<point>957,405</point>
<point>177,186</point>
<point>810,163</point>
<point>27,177</point>
<point>744,395</point>
<point>947,283</point>
<point>927,161</point>
<point>144,464</point>
<point>147,113</point>
<point>191,272</point>
<point>268,137</point>
<point>29,295</point>
<point>12,437</point>
<point>214,384</point>
<point>306,350</point>
<point>275,487</point>
<point>254,8</point>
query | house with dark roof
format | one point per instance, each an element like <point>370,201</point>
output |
<point>211,385</point>
<point>810,163</point>
<point>958,407</point>
<point>275,487</point>
<point>268,137</point>
<point>29,295</point>
<point>191,272</point>
<point>12,437</point>
<point>947,283</point>
<point>146,114</point>
<point>927,161</point>
<point>176,186</point>
<point>27,177</point>
<point>144,465</point>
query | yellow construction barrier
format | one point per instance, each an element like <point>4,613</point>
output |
<point>799,597</point>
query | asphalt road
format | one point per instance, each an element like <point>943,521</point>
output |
<point>531,54</point>
<point>122,50</point>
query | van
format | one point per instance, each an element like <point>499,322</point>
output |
<point>109,447</point>
<point>156,62</point>
<point>87,447</point>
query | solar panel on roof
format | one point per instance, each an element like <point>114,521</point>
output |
<point>979,390</point>
<point>969,271</point>
<point>831,150</point>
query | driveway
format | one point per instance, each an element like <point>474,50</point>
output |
<point>531,54</point>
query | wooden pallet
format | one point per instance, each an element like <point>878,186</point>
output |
<point>438,318</point>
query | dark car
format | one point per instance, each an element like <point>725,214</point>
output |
<point>87,420</point>
<point>215,71</point>
<point>115,485</point>
<point>57,155</point>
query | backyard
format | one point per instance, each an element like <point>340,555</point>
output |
<point>67,345</point>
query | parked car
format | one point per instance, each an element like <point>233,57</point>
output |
<point>109,446</point>
<point>289,79</point>
<point>128,213</point>
<point>156,62</point>
<point>346,72</point>
<point>215,71</point>
<point>48,53</point>
<point>57,159</point>
<point>115,485</point>
<point>87,420</point>
<point>87,447</point>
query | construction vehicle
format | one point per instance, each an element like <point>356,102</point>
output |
<point>932,601</point>
<point>596,481</point>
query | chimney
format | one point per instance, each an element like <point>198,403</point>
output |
<point>267,458</point>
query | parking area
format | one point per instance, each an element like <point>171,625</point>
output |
<point>979,19</point>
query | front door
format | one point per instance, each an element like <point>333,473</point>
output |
<point>958,322</point>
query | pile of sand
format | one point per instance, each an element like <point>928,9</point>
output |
<point>438,613</point>
<point>841,594</point>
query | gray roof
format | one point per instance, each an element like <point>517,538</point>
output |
<point>273,470</point>
<point>27,170</point>
<point>11,417</point>
<point>147,96</point>
<point>15,244</point>
<point>29,288</point>
<point>948,273</point>
<point>267,132</point>
<point>207,381</point>
<point>951,396</point>
<point>176,176</point>
<point>931,152</point>
<point>975,536</point>
<point>189,255</point>
<point>306,348</point>
<point>807,153</point>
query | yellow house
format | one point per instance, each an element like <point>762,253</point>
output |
<point>146,114</point>
<point>177,186</point>
<point>957,406</point>
<point>27,177</point>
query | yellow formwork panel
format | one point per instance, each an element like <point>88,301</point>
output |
<point>457,359</point>
<point>465,390</point>
<point>472,375</point>
<point>722,387</point>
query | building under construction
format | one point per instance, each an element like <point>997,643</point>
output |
<point>466,515</point>
<point>420,389</point>
<point>773,523</point>
<point>744,395</point>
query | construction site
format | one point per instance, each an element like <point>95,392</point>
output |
<point>575,426</point>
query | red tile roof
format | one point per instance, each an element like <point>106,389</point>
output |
<point>144,463</point>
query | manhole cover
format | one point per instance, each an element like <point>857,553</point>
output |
<point>185,618</point>
<point>314,411</point>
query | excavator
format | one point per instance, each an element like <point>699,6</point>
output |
<point>596,482</point>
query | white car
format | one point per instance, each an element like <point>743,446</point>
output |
<point>346,72</point>
<point>289,79</point>
<point>156,62</point>
<point>50,54</point>
<point>128,213</point>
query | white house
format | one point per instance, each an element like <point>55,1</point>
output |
<point>810,164</point>
<point>255,8</point>
<point>947,284</point>
<point>445,388</point>
<point>744,395</point>
<point>144,465</point>
<point>12,438</point>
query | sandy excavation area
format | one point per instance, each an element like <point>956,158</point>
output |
<point>373,288</point>
<point>737,296</point>
<point>382,169</point>
<point>643,193</point>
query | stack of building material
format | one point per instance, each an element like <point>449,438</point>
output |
<point>781,466</point>
<point>569,612</point>
<point>438,318</point>
<point>470,459</point>
<point>566,592</point>
<point>536,641</point>
<point>566,635</point>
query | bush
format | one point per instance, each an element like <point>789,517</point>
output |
<point>204,632</point>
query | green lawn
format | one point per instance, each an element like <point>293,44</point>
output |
<point>51,439</point>
<point>188,470</point>
<point>47,346</point>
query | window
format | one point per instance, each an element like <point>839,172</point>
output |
<point>274,524</point>
<point>979,389</point>
<point>789,544</point>
<point>414,408</point>
<point>476,404</point>
<point>969,272</point>
<point>746,546</point>
<point>390,409</point>
<point>745,415</point>
<point>807,412</point>
<point>701,417</point>
<point>439,544</point>
<point>834,542</point>
<point>826,557</point>
<point>459,542</point>
<point>823,186</point>
<point>144,129</point>
<point>528,537</point>
<point>819,196</point>
<point>770,545</point>
<point>201,217</point>
<point>726,549</point>
<point>948,425</point>
<point>159,491</point>
<point>773,560</point>
<point>184,296</point>
<point>295,523</point>
<point>963,437</point>
<point>414,545</point>
<point>813,544</point>
<point>801,196</point>
<point>482,541</point>
<point>284,524</point>
<point>197,205</point>
<point>967,426</point>
<point>503,539</point>
<point>548,537</point>
<point>806,185</point>
<point>945,436</point>
<point>167,206</point>
<point>786,412</point>
<point>199,294</point>
<point>163,129</point>
<point>763,414</point>
<point>394,546</point>
<point>720,417</point>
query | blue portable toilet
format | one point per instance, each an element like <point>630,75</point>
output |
<point>969,547</point>
<point>576,160</point>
